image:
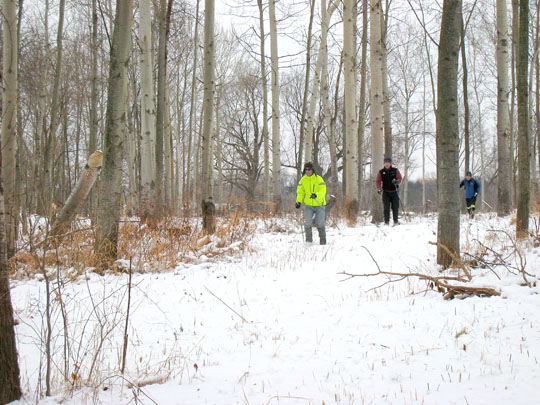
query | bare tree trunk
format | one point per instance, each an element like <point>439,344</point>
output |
<point>522,63</point>
<point>448,133</point>
<point>276,149</point>
<point>513,135</point>
<point>316,83</point>
<point>168,154</point>
<point>466,119</point>
<point>362,106</point>
<point>10,91</point>
<point>386,92</point>
<point>265,106</point>
<point>503,128</point>
<point>79,193</point>
<point>377,97</point>
<point>322,57</point>
<point>191,132</point>
<point>10,388</point>
<point>48,156</point>
<point>110,195</point>
<point>207,200</point>
<point>148,113</point>
<point>9,369</point>
<point>92,139</point>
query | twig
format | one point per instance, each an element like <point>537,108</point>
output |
<point>455,259</point>
<point>224,303</point>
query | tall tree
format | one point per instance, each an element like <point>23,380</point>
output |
<point>362,101</point>
<point>10,85</point>
<point>148,112</point>
<point>160,105</point>
<point>522,70</point>
<point>276,149</point>
<point>265,104</point>
<point>386,92</point>
<point>448,133</point>
<point>466,108</point>
<point>377,108</point>
<point>9,369</point>
<point>351,125</point>
<point>503,118</point>
<point>110,195</point>
<point>207,202</point>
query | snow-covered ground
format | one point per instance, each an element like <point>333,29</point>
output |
<point>281,325</point>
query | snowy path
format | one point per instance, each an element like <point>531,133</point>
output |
<point>309,337</point>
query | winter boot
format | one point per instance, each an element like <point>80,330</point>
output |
<point>322,235</point>
<point>309,234</point>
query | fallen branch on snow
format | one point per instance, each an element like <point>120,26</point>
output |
<point>450,291</point>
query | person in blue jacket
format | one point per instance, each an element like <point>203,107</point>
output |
<point>472,188</point>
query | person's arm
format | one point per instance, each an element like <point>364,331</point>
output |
<point>300,192</point>
<point>478,186</point>
<point>378,181</point>
<point>398,176</point>
<point>462,183</point>
<point>320,189</point>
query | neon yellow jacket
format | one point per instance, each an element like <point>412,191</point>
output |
<point>311,184</point>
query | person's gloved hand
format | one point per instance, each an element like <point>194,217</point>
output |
<point>395,182</point>
<point>297,205</point>
<point>475,194</point>
<point>313,196</point>
<point>379,191</point>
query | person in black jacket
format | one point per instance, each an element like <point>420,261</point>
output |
<point>388,181</point>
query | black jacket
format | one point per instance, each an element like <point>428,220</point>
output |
<point>385,178</point>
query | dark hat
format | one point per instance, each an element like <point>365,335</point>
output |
<point>388,159</point>
<point>468,174</point>
<point>307,166</point>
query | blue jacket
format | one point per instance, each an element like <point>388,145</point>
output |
<point>472,186</point>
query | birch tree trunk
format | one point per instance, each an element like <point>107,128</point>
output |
<point>160,107</point>
<point>522,63</point>
<point>448,133</point>
<point>309,138</point>
<point>264,106</point>
<point>148,113</point>
<point>9,369</point>
<point>168,154</point>
<point>10,91</point>
<point>48,160</point>
<point>351,125</point>
<point>79,193</point>
<point>10,388</point>
<point>110,196</point>
<point>362,106</point>
<point>377,97</point>
<point>207,197</point>
<point>92,138</point>
<point>322,57</point>
<point>276,149</point>
<point>503,125</point>
<point>191,179</point>
<point>387,119</point>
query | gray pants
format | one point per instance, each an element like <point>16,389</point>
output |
<point>318,213</point>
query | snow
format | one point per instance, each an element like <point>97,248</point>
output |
<point>280,325</point>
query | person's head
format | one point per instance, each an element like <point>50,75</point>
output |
<point>308,169</point>
<point>387,162</point>
<point>468,175</point>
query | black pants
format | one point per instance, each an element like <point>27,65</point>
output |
<point>390,198</point>
<point>471,203</point>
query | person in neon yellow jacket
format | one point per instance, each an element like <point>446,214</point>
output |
<point>311,191</point>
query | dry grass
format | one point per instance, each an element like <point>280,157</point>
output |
<point>153,248</point>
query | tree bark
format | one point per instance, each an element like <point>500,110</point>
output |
<point>79,193</point>
<point>387,115</point>
<point>9,369</point>
<point>362,106</point>
<point>377,99</point>
<point>265,105</point>
<point>503,128</point>
<point>276,149</point>
<point>148,113</point>
<point>522,63</point>
<point>448,133</point>
<point>207,200</point>
<point>115,126</point>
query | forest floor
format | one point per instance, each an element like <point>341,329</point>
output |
<point>279,324</point>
